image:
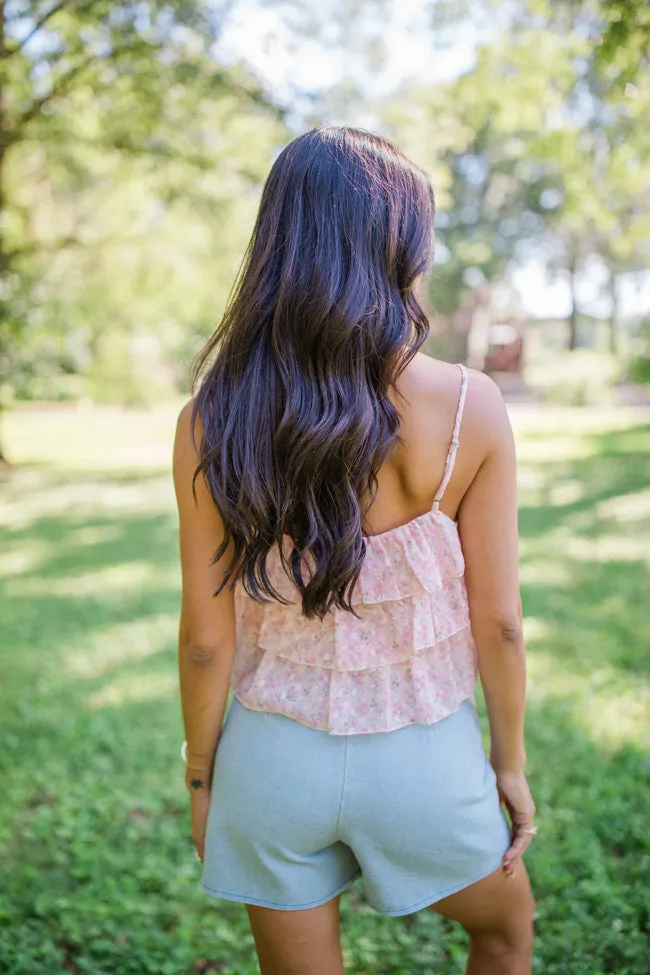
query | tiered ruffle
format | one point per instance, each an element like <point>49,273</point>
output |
<point>410,658</point>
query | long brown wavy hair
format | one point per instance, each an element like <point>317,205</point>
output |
<point>291,389</point>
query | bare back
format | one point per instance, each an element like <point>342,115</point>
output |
<point>409,479</point>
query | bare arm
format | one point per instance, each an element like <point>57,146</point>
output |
<point>206,643</point>
<point>488,524</point>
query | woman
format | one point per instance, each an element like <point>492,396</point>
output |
<point>347,506</point>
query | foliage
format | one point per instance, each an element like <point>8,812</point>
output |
<point>625,38</point>
<point>639,369</point>
<point>131,161</point>
<point>129,174</point>
<point>494,190</point>
<point>586,378</point>
<point>639,366</point>
<point>619,30</point>
<point>161,245</point>
<point>97,864</point>
<point>539,151</point>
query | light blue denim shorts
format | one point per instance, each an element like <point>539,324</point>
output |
<point>297,815</point>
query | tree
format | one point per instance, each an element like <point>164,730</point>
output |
<point>619,29</point>
<point>479,136</point>
<point>88,91</point>
<point>536,146</point>
<point>606,205</point>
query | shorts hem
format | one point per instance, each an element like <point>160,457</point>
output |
<point>428,901</point>
<point>258,902</point>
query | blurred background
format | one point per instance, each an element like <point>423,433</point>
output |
<point>134,140</point>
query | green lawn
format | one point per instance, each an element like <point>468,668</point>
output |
<point>98,874</point>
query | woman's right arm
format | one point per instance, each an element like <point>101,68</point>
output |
<point>488,526</point>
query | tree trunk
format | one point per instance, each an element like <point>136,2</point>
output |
<point>573,316</point>
<point>614,336</point>
<point>4,141</point>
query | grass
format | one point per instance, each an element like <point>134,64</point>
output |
<point>97,865</point>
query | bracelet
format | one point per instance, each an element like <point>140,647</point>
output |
<point>193,768</point>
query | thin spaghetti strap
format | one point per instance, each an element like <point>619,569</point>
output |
<point>453,447</point>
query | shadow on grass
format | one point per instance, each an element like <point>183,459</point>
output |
<point>116,539</point>
<point>16,481</point>
<point>101,862</point>
<point>598,620</point>
<point>618,465</point>
<point>594,616</point>
<point>96,848</point>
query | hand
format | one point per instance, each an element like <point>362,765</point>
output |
<point>514,794</point>
<point>198,784</point>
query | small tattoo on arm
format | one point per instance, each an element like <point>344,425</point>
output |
<point>197,783</point>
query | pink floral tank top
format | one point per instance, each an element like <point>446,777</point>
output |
<point>409,659</point>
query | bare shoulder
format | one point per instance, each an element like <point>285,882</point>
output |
<point>428,379</point>
<point>427,374</point>
<point>184,443</point>
<point>485,410</point>
<point>192,492</point>
<point>486,429</point>
<point>436,384</point>
<point>184,422</point>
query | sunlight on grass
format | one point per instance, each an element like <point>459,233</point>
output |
<point>121,644</point>
<point>92,438</point>
<point>531,478</point>
<point>535,629</point>
<point>538,564</point>
<point>112,580</point>
<point>559,447</point>
<point>566,492</point>
<point>31,495</point>
<point>91,720</point>
<point>93,534</point>
<point>622,717</point>
<point>612,709</point>
<point>627,508</point>
<point>143,688</point>
<point>537,571</point>
<point>23,560</point>
<point>607,548</point>
<point>555,423</point>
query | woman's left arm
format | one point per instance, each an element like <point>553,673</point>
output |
<point>206,641</point>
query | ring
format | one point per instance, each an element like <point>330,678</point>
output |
<point>532,830</point>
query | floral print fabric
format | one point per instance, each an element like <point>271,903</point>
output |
<point>409,659</point>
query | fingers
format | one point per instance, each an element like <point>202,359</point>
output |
<point>514,795</point>
<point>199,846</point>
<point>520,843</point>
